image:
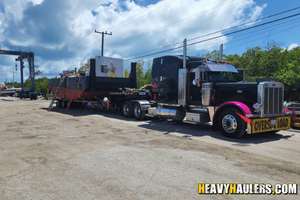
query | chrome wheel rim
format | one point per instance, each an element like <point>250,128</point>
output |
<point>229,123</point>
<point>137,111</point>
<point>125,109</point>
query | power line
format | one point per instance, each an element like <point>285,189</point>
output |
<point>102,27</point>
<point>141,16</point>
<point>264,37</point>
<point>208,40</point>
<point>242,39</point>
<point>96,39</point>
<point>173,22</point>
<point>270,22</point>
<point>234,32</point>
<point>203,36</point>
<point>217,31</point>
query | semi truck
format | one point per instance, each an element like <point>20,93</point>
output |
<point>199,91</point>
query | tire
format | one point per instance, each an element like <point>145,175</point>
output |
<point>35,97</point>
<point>230,124</point>
<point>138,113</point>
<point>71,106</point>
<point>127,109</point>
<point>58,103</point>
<point>63,103</point>
<point>21,96</point>
<point>31,97</point>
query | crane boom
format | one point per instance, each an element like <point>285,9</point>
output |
<point>23,55</point>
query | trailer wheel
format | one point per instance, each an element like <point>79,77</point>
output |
<point>58,103</point>
<point>64,104</point>
<point>139,114</point>
<point>127,109</point>
<point>72,104</point>
<point>230,124</point>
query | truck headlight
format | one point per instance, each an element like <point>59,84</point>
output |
<point>256,107</point>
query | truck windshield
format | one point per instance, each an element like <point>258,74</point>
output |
<point>221,77</point>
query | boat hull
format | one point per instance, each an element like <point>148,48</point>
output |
<point>88,87</point>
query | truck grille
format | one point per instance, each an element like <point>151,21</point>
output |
<point>273,100</point>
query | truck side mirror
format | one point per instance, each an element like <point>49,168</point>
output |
<point>195,81</point>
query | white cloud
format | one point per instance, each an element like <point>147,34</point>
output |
<point>293,46</point>
<point>256,12</point>
<point>36,2</point>
<point>61,32</point>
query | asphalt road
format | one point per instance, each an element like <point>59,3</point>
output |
<point>101,155</point>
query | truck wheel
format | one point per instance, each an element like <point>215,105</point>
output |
<point>139,114</point>
<point>127,109</point>
<point>230,124</point>
<point>35,97</point>
<point>31,97</point>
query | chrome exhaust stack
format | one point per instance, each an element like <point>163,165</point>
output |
<point>182,73</point>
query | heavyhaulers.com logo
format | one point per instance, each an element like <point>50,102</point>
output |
<point>247,188</point>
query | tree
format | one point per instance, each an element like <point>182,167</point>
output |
<point>270,62</point>
<point>143,76</point>
<point>83,65</point>
<point>42,85</point>
<point>214,55</point>
<point>140,73</point>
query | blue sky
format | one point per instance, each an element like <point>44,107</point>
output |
<point>285,35</point>
<point>61,33</point>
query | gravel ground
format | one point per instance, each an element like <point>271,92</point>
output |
<point>101,155</point>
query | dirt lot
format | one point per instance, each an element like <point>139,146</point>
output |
<point>101,155</point>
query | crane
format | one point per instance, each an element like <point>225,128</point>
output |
<point>30,57</point>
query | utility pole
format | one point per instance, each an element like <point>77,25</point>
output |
<point>103,33</point>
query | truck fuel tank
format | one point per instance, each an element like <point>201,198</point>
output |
<point>176,114</point>
<point>207,90</point>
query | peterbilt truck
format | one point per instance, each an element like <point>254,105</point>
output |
<point>197,90</point>
<point>200,91</point>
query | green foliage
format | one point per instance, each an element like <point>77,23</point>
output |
<point>83,65</point>
<point>270,62</point>
<point>38,72</point>
<point>41,84</point>
<point>13,84</point>
<point>143,76</point>
<point>290,75</point>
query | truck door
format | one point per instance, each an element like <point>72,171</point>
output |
<point>194,90</point>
